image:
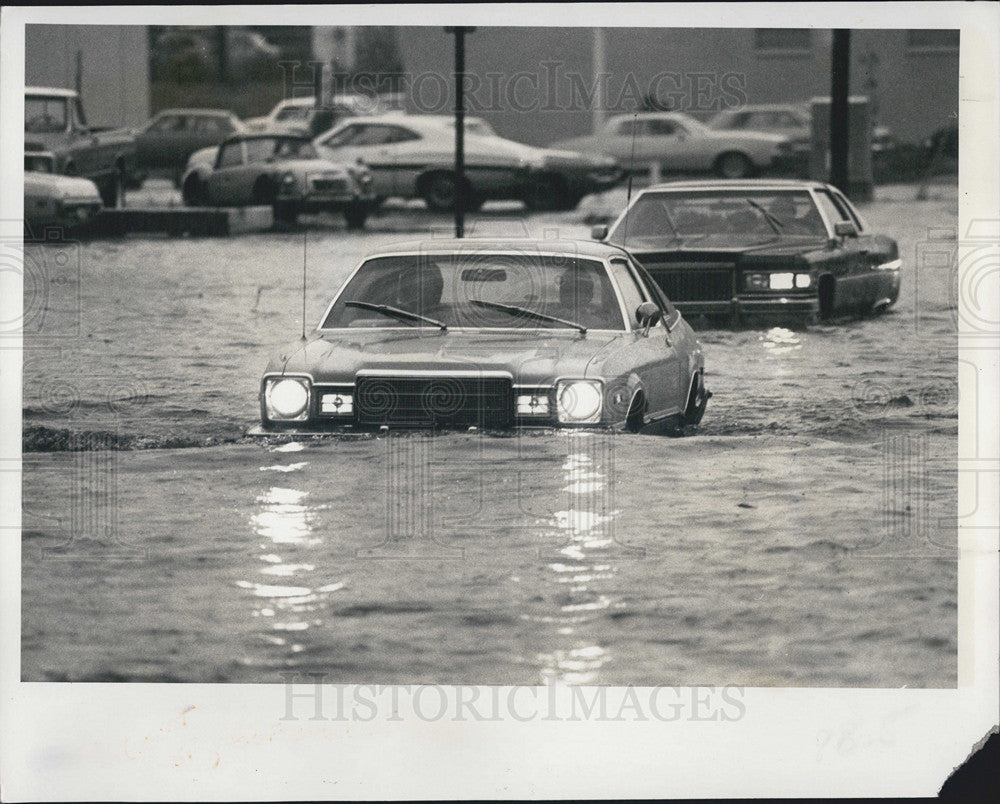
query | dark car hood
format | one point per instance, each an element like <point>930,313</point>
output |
<point>530,356</point>
<point>723,245</point>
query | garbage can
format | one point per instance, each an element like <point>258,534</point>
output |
<point>860,179</point>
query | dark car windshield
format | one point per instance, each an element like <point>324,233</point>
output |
<point>464,290</point>
<point>260,149</point>
<point>44,115</point>
<point>676,215</point>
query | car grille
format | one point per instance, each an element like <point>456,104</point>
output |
<point>430,401</point>
<point>329,185</point>
<point>695,282</point>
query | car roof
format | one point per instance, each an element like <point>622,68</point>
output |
<point>195,111</point>
<point>427,121</point>
<point>309,100</point>
<point>653,116</point>
<point>581,248</point>
<point>769,107</point>
<point>269,135</point>
<point>738,184</point>
<point>57,91</point>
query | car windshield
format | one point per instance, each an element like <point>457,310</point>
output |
<point>294,113</point>
<point>677,215</point>
<point>480,290</point>
<point>44,115</point>
<point>38,163</point>
<point>261,149</point>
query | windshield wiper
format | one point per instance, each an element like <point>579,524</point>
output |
<point>395,312</point>
<point>509,308</point>
<point>772,221</point>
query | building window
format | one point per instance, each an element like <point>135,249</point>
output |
<point>932,41</point>
<point>782,40</point>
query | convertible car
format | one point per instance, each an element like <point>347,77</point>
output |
<point>738,248</point>
<point>279,170</point>
<point>468,333</point>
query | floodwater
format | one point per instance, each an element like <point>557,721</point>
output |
<point>804,536</point>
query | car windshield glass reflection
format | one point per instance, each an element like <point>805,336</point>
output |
<point>673,216</point>
<point>478,291</point>
<point>261,149</point>
<point>44,115</point>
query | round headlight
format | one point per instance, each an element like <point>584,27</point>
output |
<point>288,398</point>
<point>579,402</point>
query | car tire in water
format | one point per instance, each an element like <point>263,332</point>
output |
<point>547,193</point>
<point>355,215</point>
<point>733,165</point>
<point>193,191</point>
<point>113,190</point>
<point>439,191</point>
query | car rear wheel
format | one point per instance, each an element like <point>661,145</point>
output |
<point>547,193</point>
<point>733,165</point>
<point>355,215</point>
<point>193,192</point>
<point>438,191</point>
<point>113,190</point>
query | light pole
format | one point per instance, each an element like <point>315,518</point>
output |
<point>840,75</point>
<point>459,31</point>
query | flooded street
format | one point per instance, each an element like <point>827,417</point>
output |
<point>805,536</point>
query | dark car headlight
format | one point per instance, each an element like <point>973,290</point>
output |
<point>287,398</point>
<point>579,401</point>
<point>778,280</point>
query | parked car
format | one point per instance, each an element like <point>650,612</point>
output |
<point>279,170</point>
<point>681,144</point>
<point>303,116</point>
<point>165,142</point>
<point>939,152</point>
<point>54,200</point>
<point>54,123</point>
<point>492,335</point>
<point>791,120</point>
<point>414,157</point>
<point>775,247</point>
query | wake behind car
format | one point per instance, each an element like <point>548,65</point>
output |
<point>493,335</point>
<point>279,170</point>
<point>778,247</point>
<point>413,156</point>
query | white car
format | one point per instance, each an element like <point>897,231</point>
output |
<point>54,200</point>
<point>681,144</point>
<point>414,157</point>
<point>301,115</point>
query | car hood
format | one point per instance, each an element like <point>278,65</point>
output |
<point>530,356</point>
<point>542,157</point>
<point>56,186</point>
<point>722,244</point>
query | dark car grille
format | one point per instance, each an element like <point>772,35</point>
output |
<point>695,282</point>
<point>329,185</point>
<point>430,401</point>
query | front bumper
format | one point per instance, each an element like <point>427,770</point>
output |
<point>747,305</point>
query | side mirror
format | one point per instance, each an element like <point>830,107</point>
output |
<point>647,315</point>
<point>599,232</point>
<point>845,229</point>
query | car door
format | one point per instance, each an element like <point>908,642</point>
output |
<point>363,142</point>
<point>222,185</point>
<point>855,270</point>
<point>150,143</point>
<point>652,356</point>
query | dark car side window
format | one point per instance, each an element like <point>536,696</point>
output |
<point>632,294</point>
<point>836,208</point>
<point>231,155</point>
<point>342,138</point>
<point>662,128</point>
<point>670,314</point>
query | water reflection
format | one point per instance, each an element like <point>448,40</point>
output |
<point>583,572</point>
<point>780,341</point>
<point>288,596</point>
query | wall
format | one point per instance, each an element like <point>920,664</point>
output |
<point>115,68</point>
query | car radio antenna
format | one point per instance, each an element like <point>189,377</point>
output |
<point>305,253</point>
<point>631,170</point>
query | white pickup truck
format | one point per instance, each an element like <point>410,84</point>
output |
<point>54,122</point>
